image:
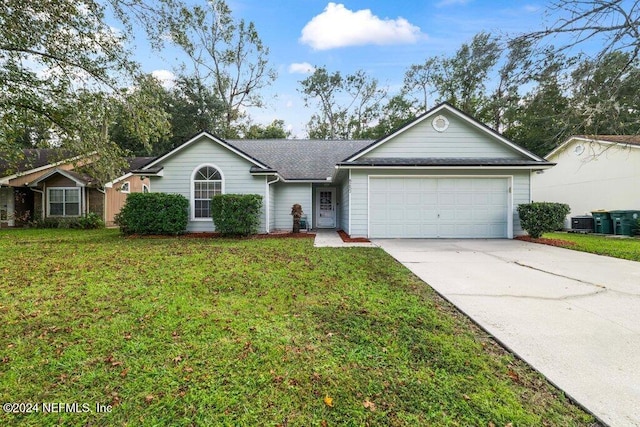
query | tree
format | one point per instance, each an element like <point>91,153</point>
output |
<point>348,106</point>
<point>228,56</point>
<point>124,130</point>
<point>396,113</point>
<point>419,81</point>
<point>614,23</point>
<point>61,67</point>
<point>461,80</point>
<point>615,26</point>
<point>274,130</point>
<point>606,99</point>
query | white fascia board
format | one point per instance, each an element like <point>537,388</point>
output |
<point>115,181</point>
<point>505,167</point>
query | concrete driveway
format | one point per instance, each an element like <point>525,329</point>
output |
<point>573,316</point>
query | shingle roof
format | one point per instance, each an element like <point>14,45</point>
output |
<point>300,159</point>
<point>136,163</point>
<point>31,158</point>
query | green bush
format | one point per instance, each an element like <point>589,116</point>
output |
<point>87,222</point>
<point>154,213</point>
<point>90,221</point>
<point>542,217</point>
<point>236,214</point>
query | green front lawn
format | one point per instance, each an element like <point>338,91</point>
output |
<point>269,332</point>
<point>618,247</point>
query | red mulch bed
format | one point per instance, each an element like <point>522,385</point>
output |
<point>347,239</point>
<point>542,240</point>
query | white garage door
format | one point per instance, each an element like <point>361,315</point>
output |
<point>438,207</point>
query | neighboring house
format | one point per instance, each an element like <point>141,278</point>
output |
<point>600,172</point>
<point>43,187</point>
<point>442,175</point>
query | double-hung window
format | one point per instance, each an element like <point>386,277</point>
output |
<point>63,201</point>
<point>207,182</point>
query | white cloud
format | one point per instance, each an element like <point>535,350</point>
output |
<point>301,68</point>
<point>338,26</point>
<point>165,77</point>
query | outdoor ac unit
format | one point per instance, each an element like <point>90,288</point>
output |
<point>582,223</point>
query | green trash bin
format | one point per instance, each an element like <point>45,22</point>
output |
<point>624,222</point>
<point>602,222</point>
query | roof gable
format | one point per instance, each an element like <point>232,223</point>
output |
<point>81,180</point>
<point>631,141</point>
<point>211,138</point>
<point>418,134</point>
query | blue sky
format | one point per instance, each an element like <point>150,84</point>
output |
<point>381,37</point>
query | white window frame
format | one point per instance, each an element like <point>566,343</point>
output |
<point>125,187</point>
<point>193,188</point>
<point>145,188</point>
<point>64,207</point>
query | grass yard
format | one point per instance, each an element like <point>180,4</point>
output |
<point>245,332</point>
<point>625,248</point>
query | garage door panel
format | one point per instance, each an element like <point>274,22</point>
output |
<point>438,207</point>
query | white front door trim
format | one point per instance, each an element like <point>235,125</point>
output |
<point>326,213</point>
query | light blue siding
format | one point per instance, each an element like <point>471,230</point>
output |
<point>286,195</point>
<point>360,192</point>
<point>344,207</point>
<point>272,207</point>
<point>461,139</point>
<point>235,170</point>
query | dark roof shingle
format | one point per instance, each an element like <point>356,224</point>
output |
<point>300,159</point>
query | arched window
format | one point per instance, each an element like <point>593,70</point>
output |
<point>145,188</point>
<point>207,182</point>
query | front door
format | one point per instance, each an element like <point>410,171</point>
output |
<point>326,205</point>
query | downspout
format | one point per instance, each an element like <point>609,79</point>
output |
<point>269,201</point>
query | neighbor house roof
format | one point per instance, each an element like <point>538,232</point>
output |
<point>300,159</point>
<point>82,179</point>
<point>618,139</point>
<point>628,140</point>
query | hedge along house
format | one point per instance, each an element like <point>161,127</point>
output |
<point>44,188</point>
<point>442,175</point>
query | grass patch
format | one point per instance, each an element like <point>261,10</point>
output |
<point>625,248</point>
<point>245,332</point>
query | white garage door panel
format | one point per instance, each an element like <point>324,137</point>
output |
<point>438,207</point>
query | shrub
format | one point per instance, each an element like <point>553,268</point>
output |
<point>87,222</point>
<point>542,217</point>
<point>236,214</point>
<point>90,221</point>
<point>154,213</point>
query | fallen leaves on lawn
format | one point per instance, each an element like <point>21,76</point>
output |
<point>514,375</point>
<point>369,405</point>
<point>328,401</point>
